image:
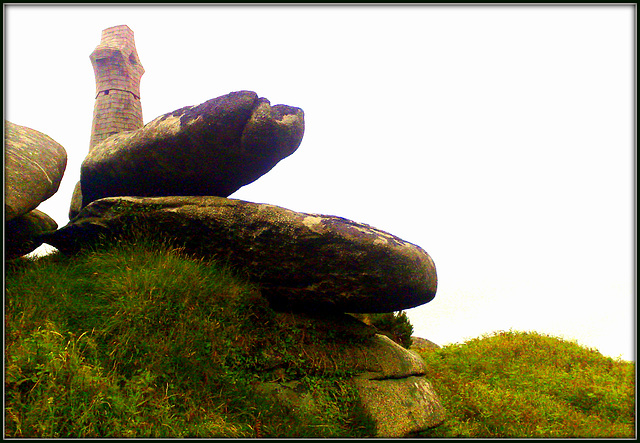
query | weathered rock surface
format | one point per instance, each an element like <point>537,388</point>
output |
<point>34,166</point>
<point>391,386</point>
<point>395,391</point>
<point>210,149</point>
<point>301,261</point>
<point>21,233</point>
<point>76,201</point>
<point>400,406</point>
<point>422,344</point>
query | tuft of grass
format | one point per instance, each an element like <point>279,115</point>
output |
<point>529,385</point>
<point>137,339</point>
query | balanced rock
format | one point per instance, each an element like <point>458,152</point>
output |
<point>22,233</point>
<point>210,149</point>
<point>301,261</point>
<point>34,166</point>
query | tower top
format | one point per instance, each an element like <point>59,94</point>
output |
<point>115,34</point>
<point>115,61</point>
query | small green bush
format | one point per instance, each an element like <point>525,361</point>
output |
<point>530,385</point>
<point>395,325</point>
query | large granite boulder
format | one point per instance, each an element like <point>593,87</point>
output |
<point>34,166</point>
<point>390,381</point>
<point>210,149</point>
<point>22,233</point>
<point>301,261</point>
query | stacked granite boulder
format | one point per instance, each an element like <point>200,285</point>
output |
<point>34,166</point>
<point>172,177</point>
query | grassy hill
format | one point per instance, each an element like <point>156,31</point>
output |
<point>142,340</point>
<point>530,385</point>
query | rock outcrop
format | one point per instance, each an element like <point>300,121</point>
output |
<point>34,166</point>
<point>301,261</point>
<point>390,383</point>
<point>22,233</point>
<point>395,392</point>
<point>210,149</point>
<point>169,178</point>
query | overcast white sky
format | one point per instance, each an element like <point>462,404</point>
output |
<point>499,139</point>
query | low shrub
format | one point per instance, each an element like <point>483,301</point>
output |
<point>395,325</point>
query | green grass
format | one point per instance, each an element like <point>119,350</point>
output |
<point>530,385</point>
<point>144,341</point>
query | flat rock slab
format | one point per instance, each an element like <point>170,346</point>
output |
<point>301,261</point>
<point>34,166</point>
<point>210,149</point>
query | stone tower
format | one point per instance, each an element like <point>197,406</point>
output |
<point>118,71</point>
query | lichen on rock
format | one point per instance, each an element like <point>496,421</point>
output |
<point>301,261</point>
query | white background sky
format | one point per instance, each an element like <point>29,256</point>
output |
<point>499,139</point>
